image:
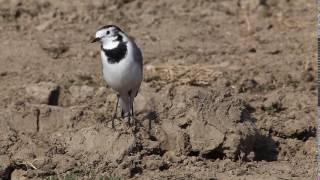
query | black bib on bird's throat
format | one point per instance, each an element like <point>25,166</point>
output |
<point>116,54</point>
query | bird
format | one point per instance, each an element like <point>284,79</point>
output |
<point>122,66</point>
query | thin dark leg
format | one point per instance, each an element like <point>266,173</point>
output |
<point>130,106</point>
<point>131,103</point>
<point>122,113</point>
<point>132,113</point>
<point>115,113</point>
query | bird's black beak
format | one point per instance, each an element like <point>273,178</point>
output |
<point>94,40</point>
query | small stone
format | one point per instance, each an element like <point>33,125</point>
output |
<point>273,104</point>
<point>310,147</point>
<point>72,17</point>
<point>240,172</point>
<point>291,115</point>
<point>307,76</point>
<point>53,48</point>
<point>18,175</point>
<point>170,156</point>
<point>263,11</point>
<point>101,91</point>
<point>193,159</point>
<point>45,25</point>
<point>92,54</point>
<point>251,156</point>
<point>44,93</point>
<point>199,163</point>
<point>248,85</point>
<point>4,73</point>
<point>99,4</point>
<point>184,122</point>
<point>40,161</point>
<point>153,164</point>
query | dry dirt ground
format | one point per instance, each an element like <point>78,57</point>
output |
<point>228,93</point>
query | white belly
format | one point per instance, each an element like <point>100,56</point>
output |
<point>123,76</point>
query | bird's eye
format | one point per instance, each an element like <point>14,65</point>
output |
<point>108,32</point>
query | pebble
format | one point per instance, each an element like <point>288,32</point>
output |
<point>43,93</point>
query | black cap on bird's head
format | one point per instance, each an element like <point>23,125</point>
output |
<point>109,26</point>
<point>106,31</point>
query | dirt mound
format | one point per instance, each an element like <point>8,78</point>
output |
<point>209,123</point>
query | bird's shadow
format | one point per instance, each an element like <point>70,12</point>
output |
<point>138,124</point>
<point>151,116</point>
<point>136,121</point>
<point>266,148</point>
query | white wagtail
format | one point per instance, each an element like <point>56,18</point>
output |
<point>122,66</point>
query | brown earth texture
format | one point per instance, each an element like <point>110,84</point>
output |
<point>229,90</point>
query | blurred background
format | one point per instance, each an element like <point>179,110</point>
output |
<point>229,88</point>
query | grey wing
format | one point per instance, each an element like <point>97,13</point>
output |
<point>139,58</point>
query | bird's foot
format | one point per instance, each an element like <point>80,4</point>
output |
<point>129,122</point>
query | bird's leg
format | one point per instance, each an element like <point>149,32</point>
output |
<point>122,113</point>
<point>132,108</point>
<point>129,115</point>
<point>131,104</point>
<point>115,113</point>
<point>132,113</point>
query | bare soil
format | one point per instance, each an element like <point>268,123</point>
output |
<point>229,90</point>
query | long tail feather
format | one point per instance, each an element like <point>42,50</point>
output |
<point>124,104</point>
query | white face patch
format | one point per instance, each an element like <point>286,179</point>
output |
<point>101,33</point>
<point>110,44</point>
